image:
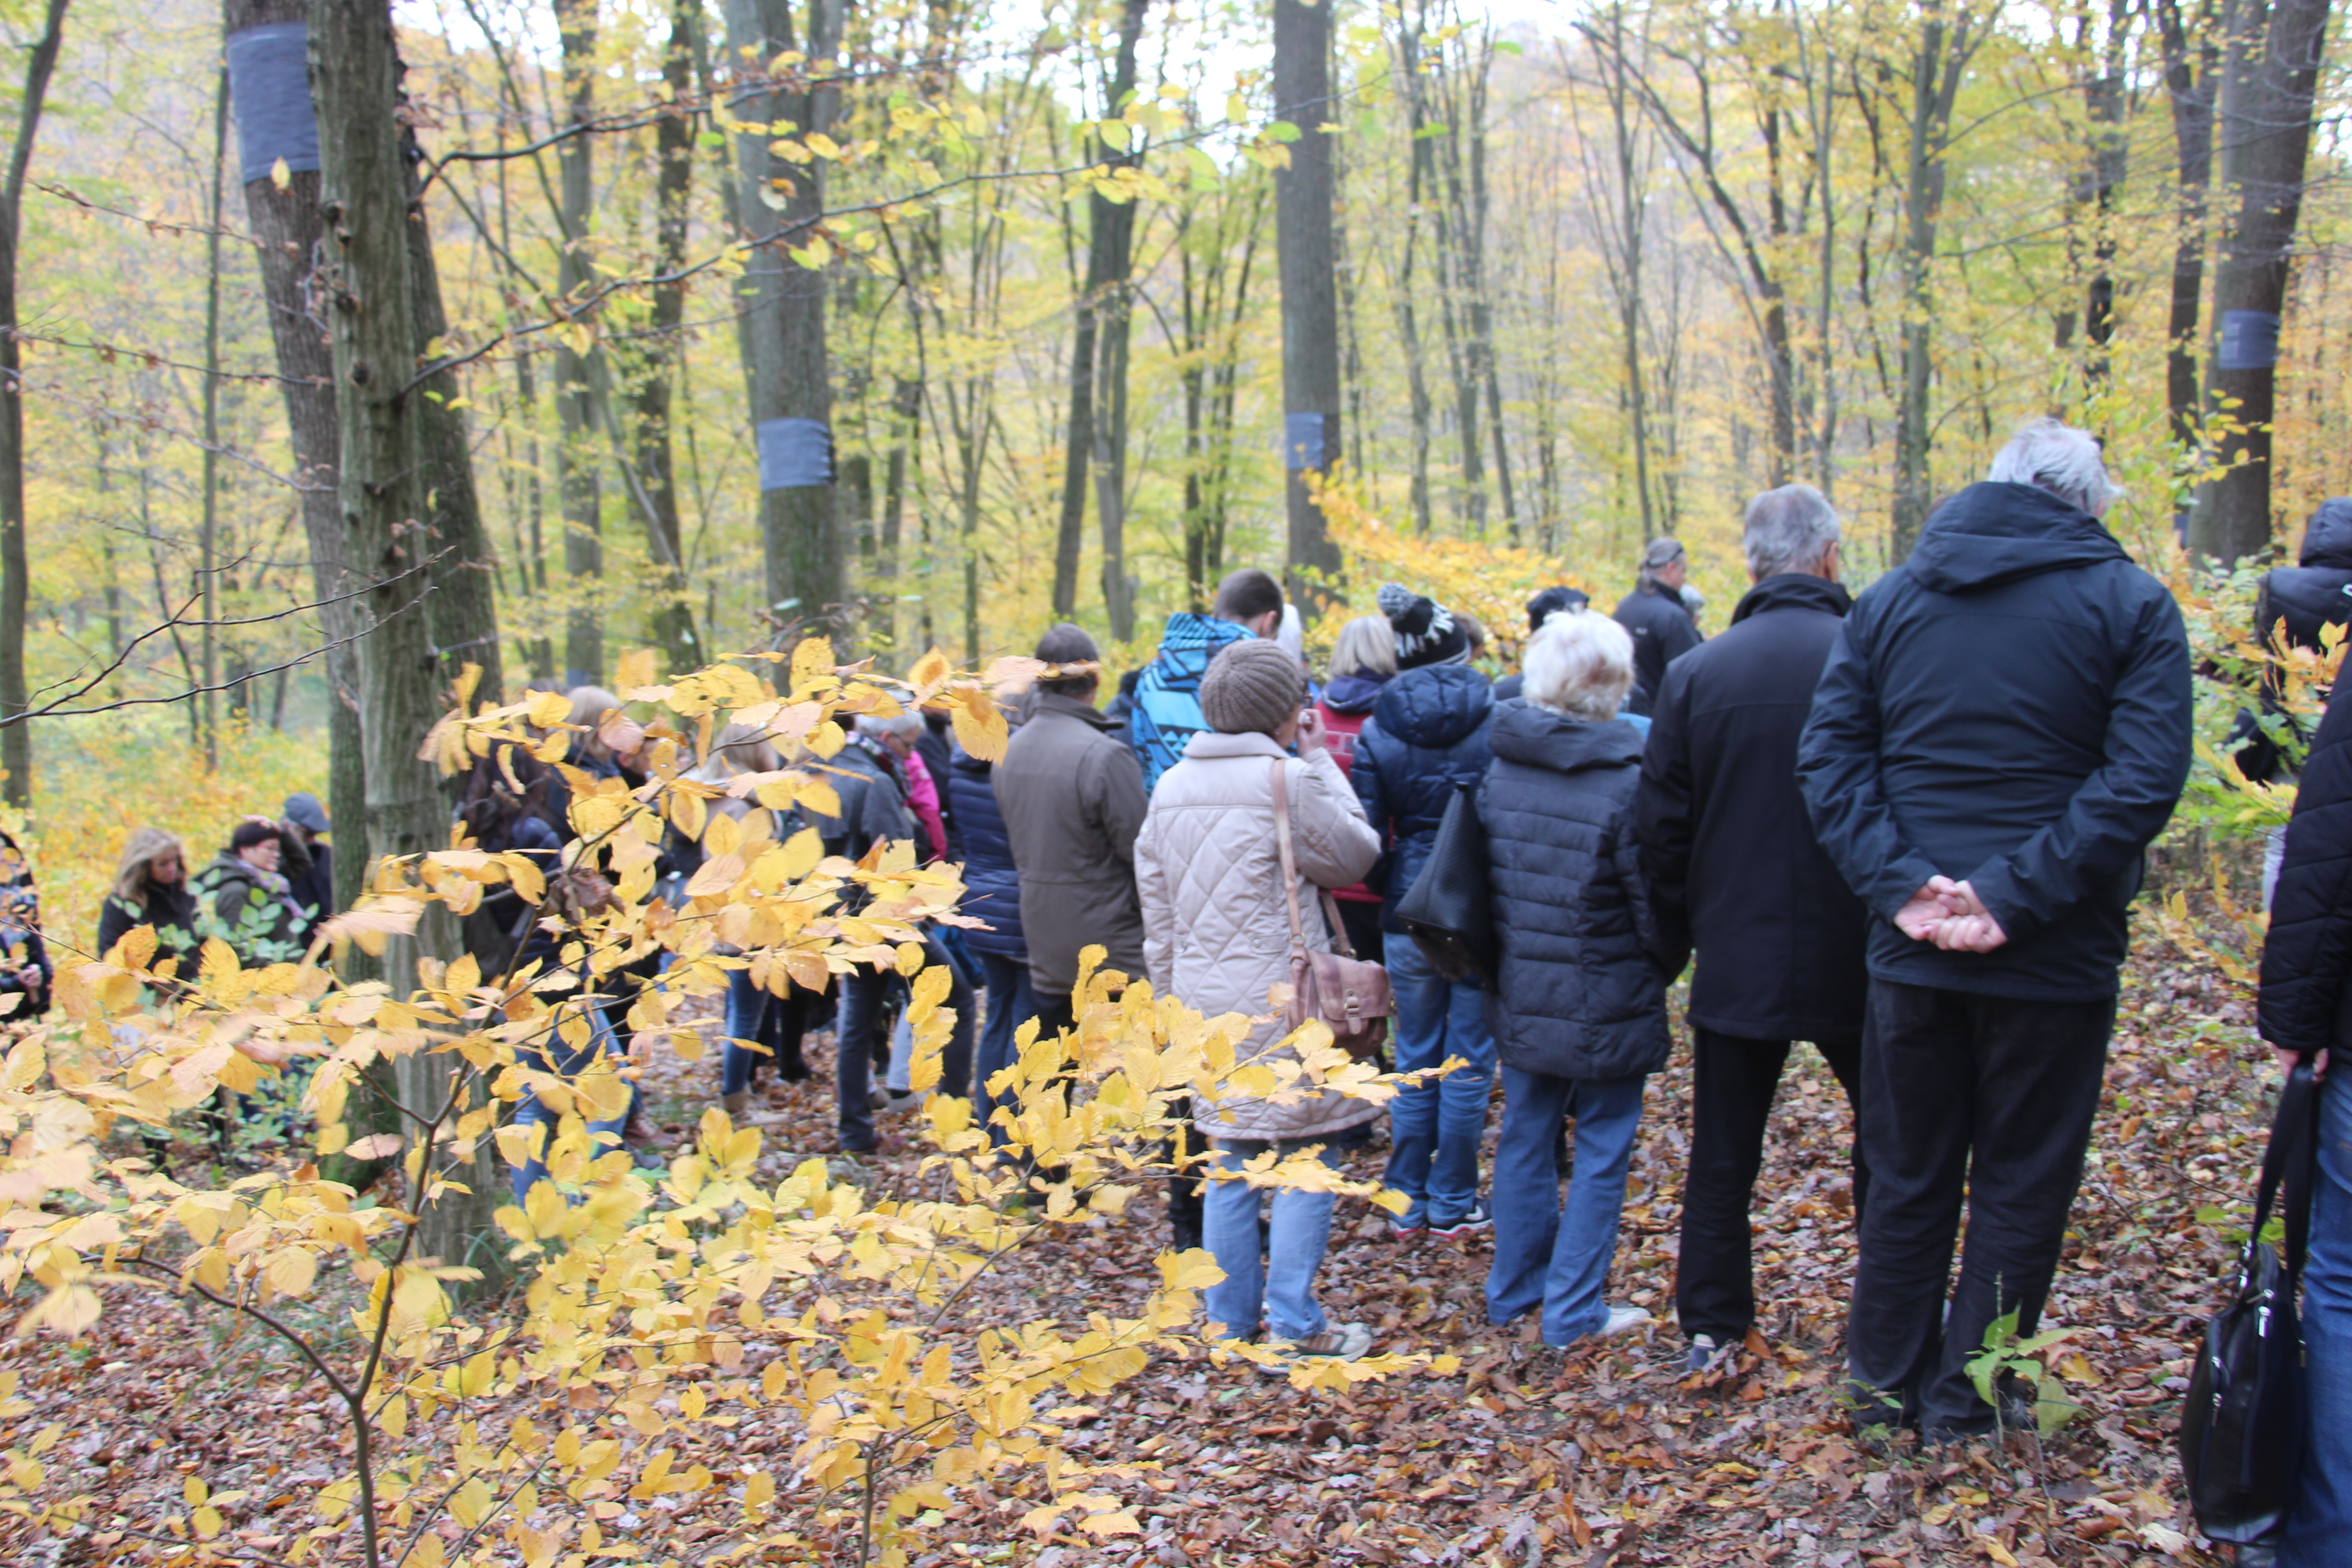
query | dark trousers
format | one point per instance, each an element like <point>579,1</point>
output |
<point>1715,1283</point>
<point>1985,1096</point>
<point>1057,1014</point>
<point>862,1029</point>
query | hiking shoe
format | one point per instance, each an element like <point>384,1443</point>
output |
<point>1705,1354</point>
<point>1340,1342</point>
<point>1470,1224</point>
<point>1622,1320</point>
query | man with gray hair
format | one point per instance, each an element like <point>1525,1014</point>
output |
<point>2002,728</point>
<point>1658,619</point>
<point>1735,871</point>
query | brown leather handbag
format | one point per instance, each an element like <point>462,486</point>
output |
<point>1348,993</point>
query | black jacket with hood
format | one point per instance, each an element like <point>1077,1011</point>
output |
<point>2292,607</point>
<point>2308,952</point>
<point>1427,734</point>
<point>1730,855</point>
<point>1578,992</point>
<point>2010,707</point>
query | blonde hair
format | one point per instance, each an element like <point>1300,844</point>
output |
<point>742,748</point>
<point>589,706</point>
<point>1367,646</point>
<point>141,850</point>
<point>1579,663</point>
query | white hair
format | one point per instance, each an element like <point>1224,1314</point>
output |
<point>908,724</point>
<point>2061,459</point>
<point>1580,664</point>
<point>1789,530</point>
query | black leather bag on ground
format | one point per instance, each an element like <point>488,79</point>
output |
<point>1447,911</point>
<point>2242,1426</point>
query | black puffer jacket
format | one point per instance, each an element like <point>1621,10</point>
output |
<point>992,884</point>
<point>2309,949</point>
<point>2293,607</point>
<point>1427,734</point>
<point>1578,992</point>
<point>2010,707</point>
<point>1730,856</point>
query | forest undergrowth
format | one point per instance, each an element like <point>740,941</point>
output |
<point>1609,1455</point>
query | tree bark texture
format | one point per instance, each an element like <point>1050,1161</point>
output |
<point>578,471</point>
<point>1937,65</point>
<point>2191,55</point>
<point>2272,67</point>
<point>355,75</point>
<point>1303,196</point>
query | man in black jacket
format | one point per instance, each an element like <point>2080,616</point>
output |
<point>1659,621</point>
<point>2002,728</point>
<point>1733,868</point>
<point>2305,963</point>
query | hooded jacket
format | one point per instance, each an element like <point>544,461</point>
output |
<point>1426,735</point>
<point>1577,991</point>
<point>1072,800</point>
<point>1663,631</point>
<point>1732,862</point>
<point>251,910</point>
<point>1347,703</point>
<point>991,885</point>
<point>1167,711</point>
<point>2293,605</point>
<point>1208,869</point>
<point>2010,707</point>
<point>2308,952</point>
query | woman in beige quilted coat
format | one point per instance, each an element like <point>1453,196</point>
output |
<point>1217,936</point>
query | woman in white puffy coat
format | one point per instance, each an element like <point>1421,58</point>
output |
<point>1217,935</point>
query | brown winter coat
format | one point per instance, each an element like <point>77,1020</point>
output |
<point>1210,872</point>
<point>1072,795</point>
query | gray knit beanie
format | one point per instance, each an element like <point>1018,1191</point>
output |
<point>1251,688</point>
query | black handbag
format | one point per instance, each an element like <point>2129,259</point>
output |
<point>2242,1426</point>
<point>1447,913</point>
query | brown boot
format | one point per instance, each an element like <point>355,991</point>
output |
<point>738,1106</point>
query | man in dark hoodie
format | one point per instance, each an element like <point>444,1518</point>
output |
<point>1734,870</point>
<point>2003,726</point>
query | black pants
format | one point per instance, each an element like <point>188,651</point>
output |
<point>862,1039</point>
<point>1963,1093</point>
<point>1715,1284</point>
<point>1056,1014</point>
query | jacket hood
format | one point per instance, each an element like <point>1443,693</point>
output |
<point>1793,591</point>
<point>1540,738</point>
<point>1993,534</point>
<point>2328,542</point>
<point>1189,641</point>
<point>1354,693</point>
<point>1436,706</point>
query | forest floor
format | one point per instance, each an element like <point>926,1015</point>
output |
<point>1613,1456</point>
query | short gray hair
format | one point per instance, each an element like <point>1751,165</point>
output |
<point>1579,663</point>
<point>1789,530</point>
<point>2057,457</point>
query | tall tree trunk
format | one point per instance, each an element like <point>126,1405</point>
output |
<point>792,394</point>
<point>16,740</point>
<point>1303,195</point>
<point>2266,103</point>
<point>355,74</point>
<point>2190,56</point>
<point>269,79</point>
<point>1937,65</point>
<point>208,547</point>
<point>578,470</point>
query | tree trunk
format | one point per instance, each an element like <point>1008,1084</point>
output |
<point>208,545</point>
<point>2190,56</point>
<point>2266,102</point>
<point>578,470</point>
<point>1937,66</point>
<point>1303,195</point>
<point>269,79</point>
<point>355,73</point>
<point>16,740</point>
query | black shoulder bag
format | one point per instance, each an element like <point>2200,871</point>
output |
<point>1447,910</point>
<point>2242,1426</point>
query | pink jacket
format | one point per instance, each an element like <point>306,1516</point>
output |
<point>923,799</point>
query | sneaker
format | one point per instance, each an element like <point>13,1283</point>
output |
<point>1705,1354</point>
<point>1470,1224</point>
<point>1622,1320</point>
<point>897,1101</point>
<point>1407,1229</point>
<point>1340,1342</point>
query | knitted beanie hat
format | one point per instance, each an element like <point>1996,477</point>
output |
<point>1250,686</point>
<point>1424,629</point>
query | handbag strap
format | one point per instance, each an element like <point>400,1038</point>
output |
<point>2289,1163</point>
<point>1340,942</point>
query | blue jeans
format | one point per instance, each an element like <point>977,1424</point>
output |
<point>1435,1130</point>
<point>1282,1284</point>
<point>534,1113</point>
<point>1540,1262</point>
<point>2319,1526</point>
<point>1009,1004</point>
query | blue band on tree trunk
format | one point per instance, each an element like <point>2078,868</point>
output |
<point>269,85</point>
<point>2249,341</point>
<point>793,453</point>
<point>1302,441</point>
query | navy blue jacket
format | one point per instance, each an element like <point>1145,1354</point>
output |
<point>1427,733</point>
<point>992,886</point>
<point>2010,707</point>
